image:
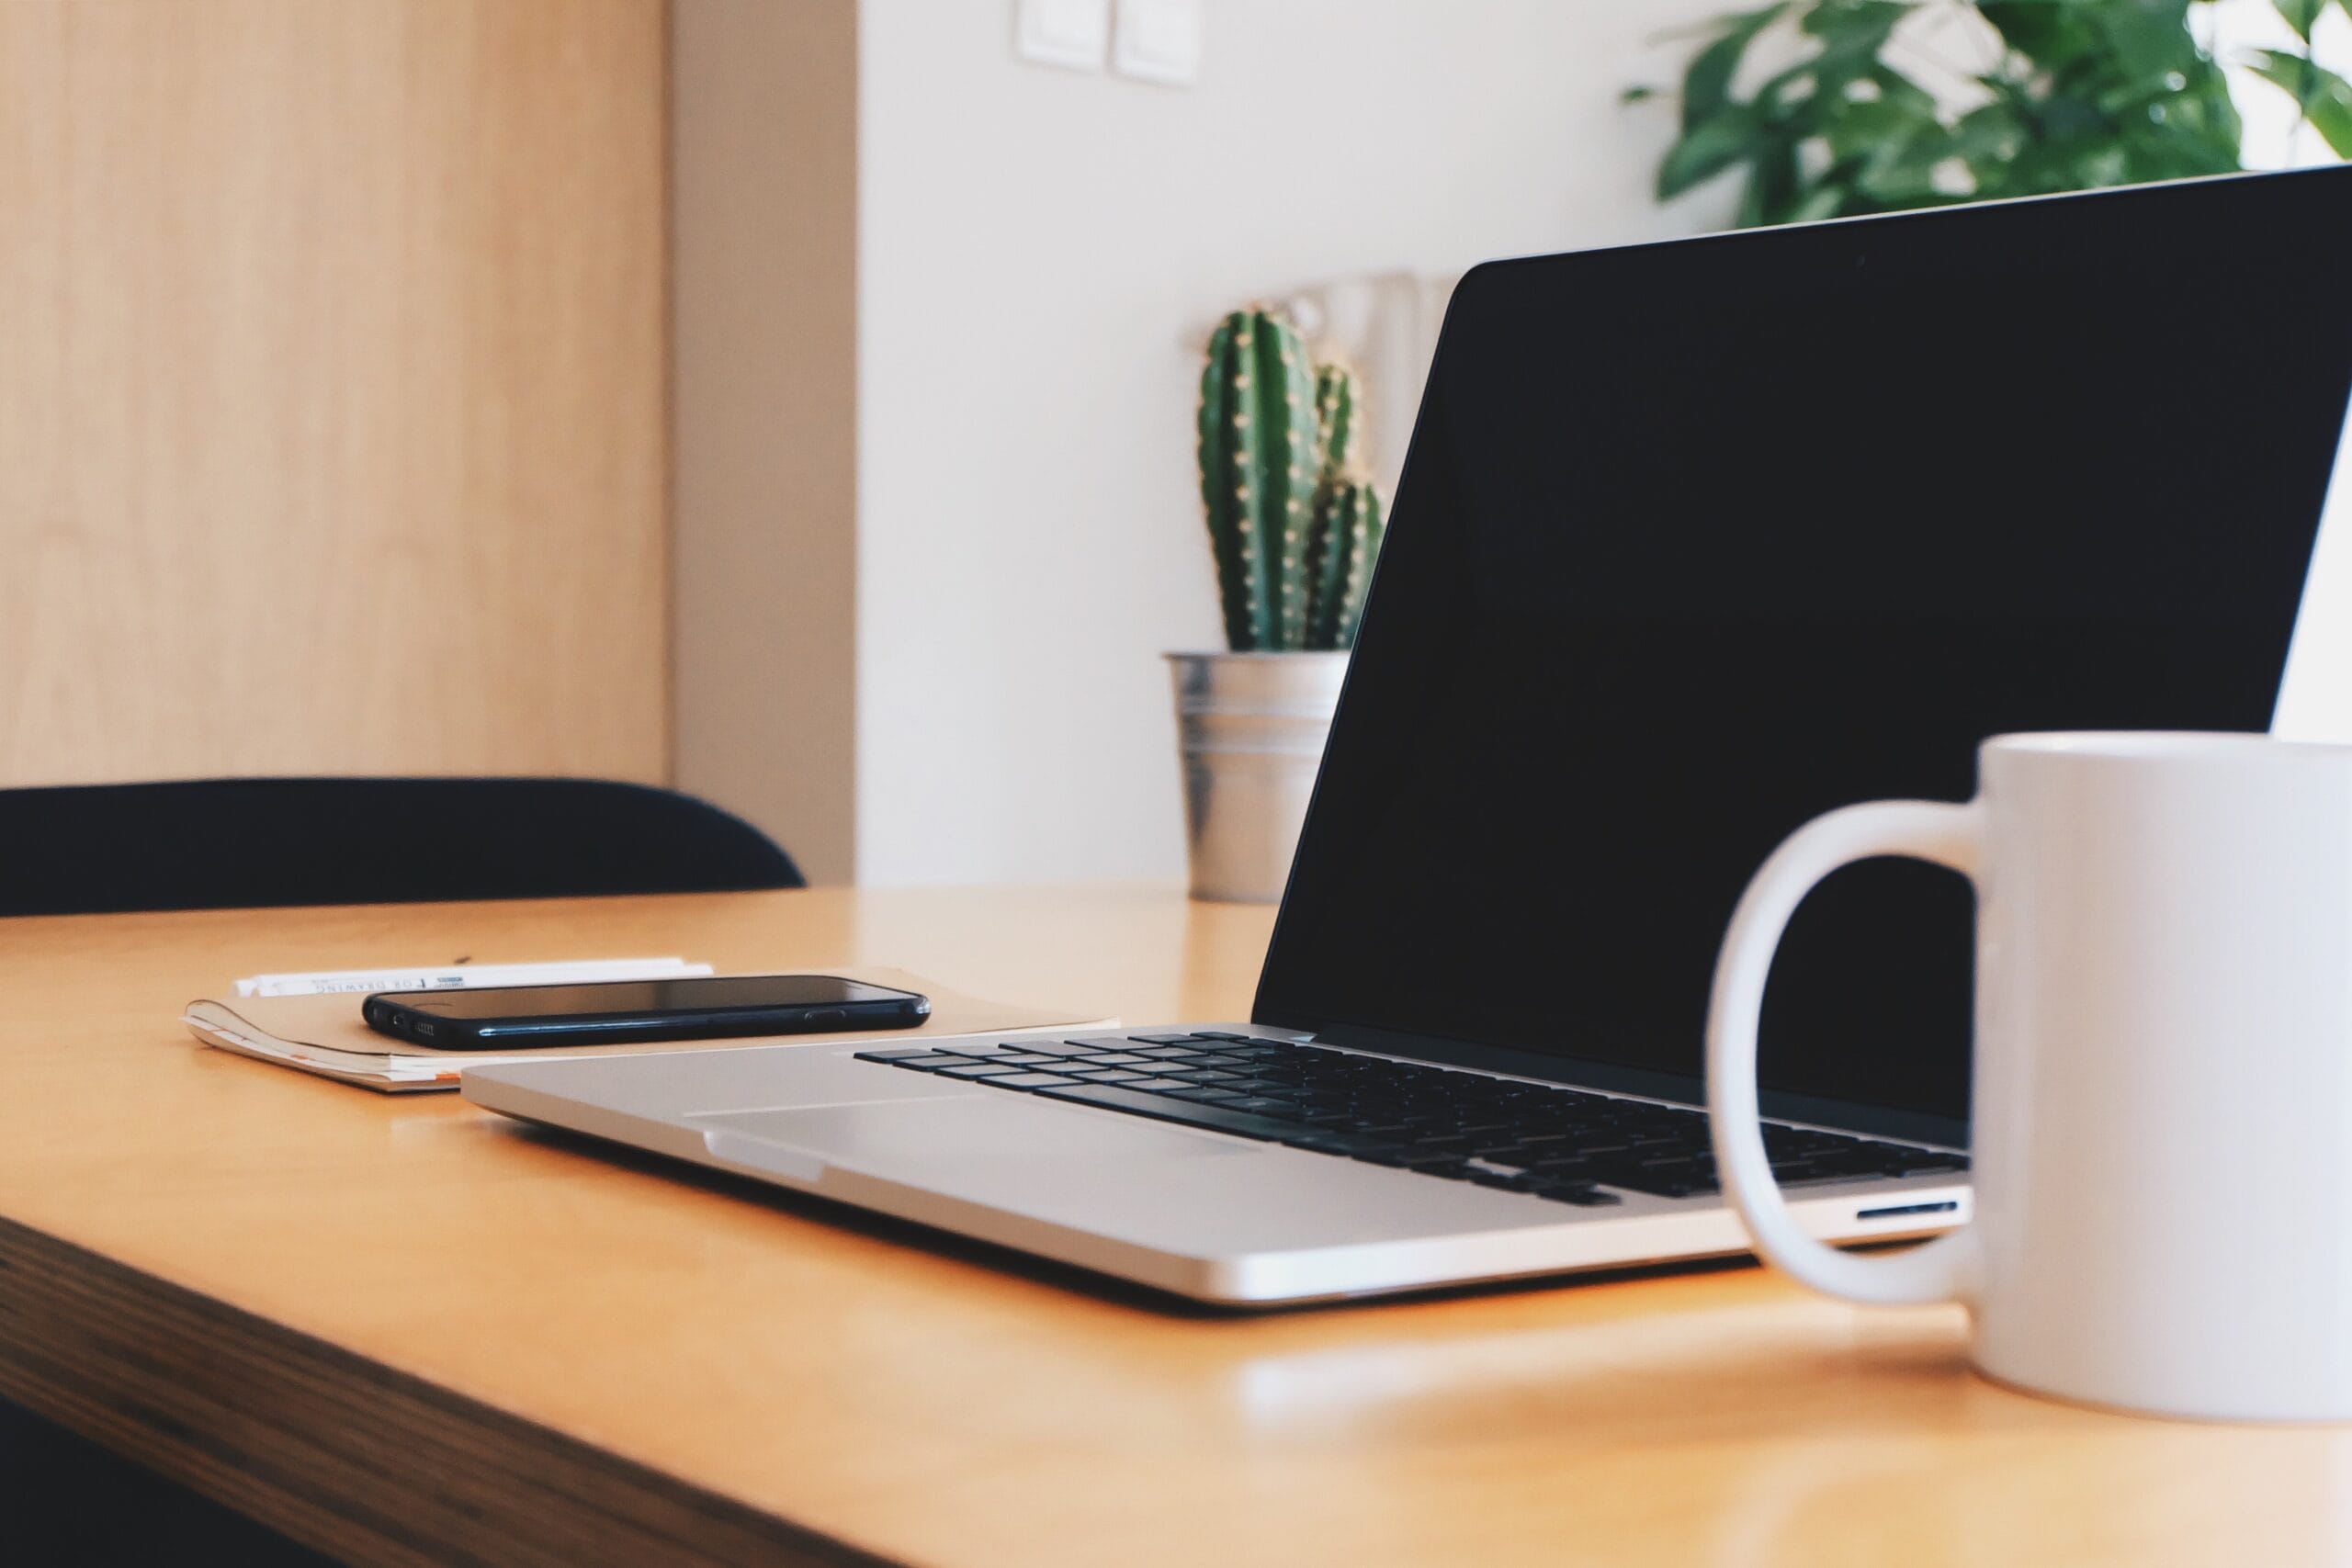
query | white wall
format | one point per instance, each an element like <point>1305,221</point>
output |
<point>1034,244</point>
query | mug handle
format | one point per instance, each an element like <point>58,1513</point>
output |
<point>1941,1271</point>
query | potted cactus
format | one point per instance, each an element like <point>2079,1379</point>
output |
<point>1296,524</point>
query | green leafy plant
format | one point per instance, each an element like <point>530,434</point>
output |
<point>2050,95</point>
<point>1292,517</point>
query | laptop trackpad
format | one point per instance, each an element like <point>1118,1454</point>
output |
<point>892,1136</point>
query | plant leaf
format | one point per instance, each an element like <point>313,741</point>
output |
<point>2206,110</point>
<point>2302,15</point>
<point>1771,186</point>
<point>2047,34</point>
<point>1900,91</point>
<point>1706,87</point>
<point>1844,19</point>
<point>1904,173</point>
<point>2330,112</point>
<point>1865,131</point>
<point>2324,98</point>
<point>1824,200</point>
<point>1706,150</point>
<point>2291,72</point>
<point>2143,38</point>
<point>1636,94</point>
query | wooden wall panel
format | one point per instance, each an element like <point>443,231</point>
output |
<point>332,388</point>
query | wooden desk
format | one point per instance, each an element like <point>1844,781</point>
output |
<point>407,1332</point>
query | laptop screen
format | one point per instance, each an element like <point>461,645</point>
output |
<point>1698,540</point>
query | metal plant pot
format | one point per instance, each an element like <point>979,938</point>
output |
<point>1250,728</point>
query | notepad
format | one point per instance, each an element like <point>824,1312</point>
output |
<point>468,977</point>
<point>321,1033</point>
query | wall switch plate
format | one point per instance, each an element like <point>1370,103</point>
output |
<point>1076,33</point>
<point>1158,41</point>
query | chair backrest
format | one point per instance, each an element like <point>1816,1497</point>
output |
<point>249,843</point>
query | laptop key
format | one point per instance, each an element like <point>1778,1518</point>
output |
<point>1161,1039</point>
<point>1029,1080</point>
<point>1584,1194</point>
<point>1164,1108</point>
<point>1406,1158</point>
<point>1656,1183</point>
<point>1329,1143</point>
<point>1266,1105</point>
<point>921,1062</point>
<point>978,1070</point>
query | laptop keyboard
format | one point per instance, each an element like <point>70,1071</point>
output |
<point>1562,1143</point>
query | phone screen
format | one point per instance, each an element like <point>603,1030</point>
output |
<point>726,992</point>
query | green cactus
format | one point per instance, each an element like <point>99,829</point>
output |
<point>1337,396</point>
<point>1293,519</point>
<point>1345,539</point>
<point>1258,447</point>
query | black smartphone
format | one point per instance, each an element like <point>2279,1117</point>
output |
<point>624,1012</point>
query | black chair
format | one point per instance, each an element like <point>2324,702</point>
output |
<point>255,844</point>
<point>252,843</point>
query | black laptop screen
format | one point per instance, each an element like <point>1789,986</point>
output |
<point>1696,541</point>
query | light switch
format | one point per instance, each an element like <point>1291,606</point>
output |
<point>1076,33</point>
<point>1158,41</point>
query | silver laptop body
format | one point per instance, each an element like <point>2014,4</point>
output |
<point>1200,1213</point>
<point>1621,640</point>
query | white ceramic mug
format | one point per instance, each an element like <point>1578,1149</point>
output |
<point>2162,1102</point>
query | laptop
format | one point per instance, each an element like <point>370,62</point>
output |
<point>1694,541</point>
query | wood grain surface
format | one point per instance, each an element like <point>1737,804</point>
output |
<point>331,403</point>
<point>409,1331</point>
